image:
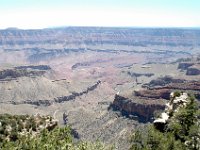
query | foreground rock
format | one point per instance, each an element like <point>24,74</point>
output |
<point>178,100</point>
<point>176,128</point>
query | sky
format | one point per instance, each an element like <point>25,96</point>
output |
<point>36,14</point>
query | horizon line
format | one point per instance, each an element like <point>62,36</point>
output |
<point>80,26</point>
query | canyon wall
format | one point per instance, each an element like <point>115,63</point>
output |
<point>98,35</point>
<point>144,111</point>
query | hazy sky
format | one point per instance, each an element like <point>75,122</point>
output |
<point>139,13</point>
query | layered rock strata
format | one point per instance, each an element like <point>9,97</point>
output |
<point>143,110</point>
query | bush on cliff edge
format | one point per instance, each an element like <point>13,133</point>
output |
<point>182,132</point>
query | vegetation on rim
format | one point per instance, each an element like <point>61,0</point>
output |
<point>22,132</point>
<point>181,132</point>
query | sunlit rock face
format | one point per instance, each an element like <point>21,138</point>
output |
<point>176,102</point>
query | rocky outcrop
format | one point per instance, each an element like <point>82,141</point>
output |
<point>134,74</point>
<point>156,94</point>
<point>185,65</point>
<point>74,95</point>
<point>85,64</point>
<point>144,111</point>
<point>163,81</point>
<point>189,85</point>
<point>160,89</point>
<point>194,70</point>
<point>37,103</point>
<point>58,99</point>
<point>39,67</point>
<point>23,71</point>
<point>178,100</point>
<point>15,73</point>
<point>163,92</point>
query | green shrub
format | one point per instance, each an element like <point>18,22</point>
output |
<point>181,133</point>
<point>58,138</point>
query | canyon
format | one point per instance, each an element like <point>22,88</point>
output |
<point>109,81</point>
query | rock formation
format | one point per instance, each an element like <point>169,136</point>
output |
<point>134,74</point>
<point>58,99</point>
<point>193,70</point>
<point>38,67</point>
<point>185,65</point>
<point>163,81</point>
<point>156,94</point>
<point>23,71</point>
<point>143,110</point>
<point>162,87</point>
<point>177,101</point>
